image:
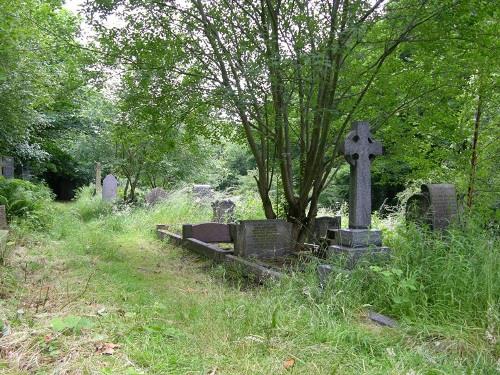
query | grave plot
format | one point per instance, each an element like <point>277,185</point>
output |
<point>262,248</point>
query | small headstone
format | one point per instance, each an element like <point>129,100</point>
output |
<point>223,211</point>
<point>435,205</point>
<point>207,232</point>
<point>98,186</point>
<point>8,167</point>
<point>109,188</point>
<point>156,195</point>
<point>359,149</point>
<point>321,226</point>
<point>263,238</point>
<point>3,218</point>
<point>203,192</point>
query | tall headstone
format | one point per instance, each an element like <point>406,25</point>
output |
<point>223,211</point>
<point>359,149</point>
<point>156,195</point>
<point>8,167</point>
<point>263,238</point>
<point>109,188</point>
<point>435,205</point>
<point>3,218</point>
<point>98,186</point>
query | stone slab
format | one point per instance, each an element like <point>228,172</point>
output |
<point>259,272</point>
<point>382,320</point>
<point>263,239</point>
<point>223,211</point>
<point>208,250</point>
<point>356,237</point>
<point>207,232</point>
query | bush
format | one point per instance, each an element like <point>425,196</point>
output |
<point>89,206</point>
<point>452,276</point>
<point>26,200</point>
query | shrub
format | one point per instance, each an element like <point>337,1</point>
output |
<point>88,206</point>
<point>26,200</point>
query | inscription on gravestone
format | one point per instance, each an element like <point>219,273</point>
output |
<point>263,238</point>
<point>109,188</point>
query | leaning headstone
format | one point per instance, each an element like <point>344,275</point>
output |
<point>321,226</point>
<point>203,192</point>
<point>435,205</point>
<point>155,196</point>
<point>26,173</point>
<point>223,211</point>
<point>359,149</point>
<point>3,218</point>
<point>263,238</point>
<point>109,188</point>
<point>98,186</point>
<point>8,167</point>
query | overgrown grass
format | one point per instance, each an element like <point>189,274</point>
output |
<point>174,313</point>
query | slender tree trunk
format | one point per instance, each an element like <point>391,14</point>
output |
<point>473,160</point>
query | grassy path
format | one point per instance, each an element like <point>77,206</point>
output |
<point>86,284</point>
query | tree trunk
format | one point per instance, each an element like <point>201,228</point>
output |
<point>473,160</point>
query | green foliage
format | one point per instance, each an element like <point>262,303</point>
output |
<point>88,206</point>
<point>26,200</point>
<point>433,276</point>
<point>71,324</point>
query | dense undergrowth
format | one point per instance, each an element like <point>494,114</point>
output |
<point>174,313</point>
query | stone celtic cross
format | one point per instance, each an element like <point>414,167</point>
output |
<point>359,149</point>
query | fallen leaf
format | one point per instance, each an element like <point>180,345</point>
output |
<point>48,338</point>
<point>213,371</point>
<point>106,348</point>
<point>289,363</point>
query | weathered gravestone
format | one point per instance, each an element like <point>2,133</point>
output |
<point>3,218</point>
<point>8,167</point>
<point>203,192</point>
<point>321,226</point>
<point>98,186</point>
<point>359,149</point>
<point>223,211</point>
<point>435,205</point>
<point>109,188</point>
<point>156,195</point>
<point>207,232</point>
<point>263,238</point>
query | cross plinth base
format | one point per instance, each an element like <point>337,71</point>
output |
<point>357,244</point>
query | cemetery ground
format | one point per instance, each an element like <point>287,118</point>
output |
<point>96,293</point>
